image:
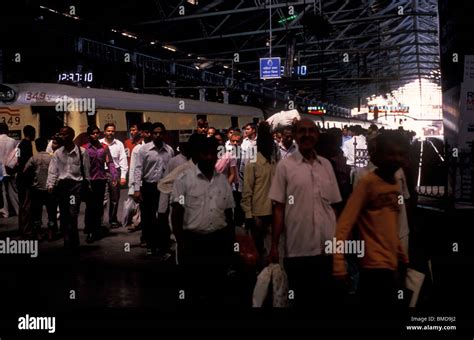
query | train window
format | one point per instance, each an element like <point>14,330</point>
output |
<point>133,118</point>
<point>50,120</point>
<point>234,121</point>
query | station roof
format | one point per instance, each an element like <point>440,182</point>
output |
<point>351,49</point>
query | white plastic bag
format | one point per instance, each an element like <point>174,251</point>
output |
<point>414,281</point>
<point>131,212</point>
<point>277,276</point>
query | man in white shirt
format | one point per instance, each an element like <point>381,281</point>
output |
<point>132,219</point>
<point>121,164</point>
<point>304,189</point>
<point>9,192</point>
<point>287,146</point>
<point>151,163</point>
<point>65,176</point>
<point>202,204</point>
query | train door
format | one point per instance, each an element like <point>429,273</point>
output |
<point>50,120</point>
<point>133,118</point>
<point>234,121</point>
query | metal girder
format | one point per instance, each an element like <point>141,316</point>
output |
<point>218,13</point>
<point>225,19</point>
<point>301,43</point>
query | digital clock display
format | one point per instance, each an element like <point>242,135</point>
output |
<point>300,70</point>
<point>76,77</point>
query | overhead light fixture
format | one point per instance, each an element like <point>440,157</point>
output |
<point>152,43</point>
<point>284,20</point>
<point>193,2</point>
<point>129,35</point>
<point>225,66</point>
<point>169,48</point>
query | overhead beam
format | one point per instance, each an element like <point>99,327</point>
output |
<point>219,13</point>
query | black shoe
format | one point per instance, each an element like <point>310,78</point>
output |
<point>115,225</point>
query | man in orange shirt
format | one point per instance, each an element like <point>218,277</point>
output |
<point>374,207</point>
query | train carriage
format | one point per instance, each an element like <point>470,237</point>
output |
<point>47,107</point>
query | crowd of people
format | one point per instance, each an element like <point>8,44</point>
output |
<point>293,190</point>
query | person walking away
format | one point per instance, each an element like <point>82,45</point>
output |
<point>10,192</point>
<point>37,168</point>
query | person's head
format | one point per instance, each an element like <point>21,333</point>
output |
<point>230,131</point>
<point>372,129</point>
<point>277,137</point>
<point>29,132</point>
<point>219,136</point>
<point>236,139</point>
<point>244,131</point>
<point>184,149</point>
<point>211,131</point>
<point>388,151</point>
<point>41,144</point>
<point>3,129</point>
<point>207,155</point>
<point>159,131</point>
<point>146,131</point>
<point>251,131</point>
<point>109,131</point>
<point>194,145</point>
<point>134,132</point>
<point>56,142</point>
<point>265,142</point>
<point>306,134</point>
<point>202,126</point>
<point>287,136</point>
<point>345,131</point>
<point>93,132</point>
<point>67,134</point>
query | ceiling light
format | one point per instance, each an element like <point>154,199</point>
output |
<point>169,48</point>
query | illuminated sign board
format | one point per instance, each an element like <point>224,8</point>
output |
<point>316,110</point>
<point>401,109</point>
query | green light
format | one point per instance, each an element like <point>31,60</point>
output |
<point>282,21</point>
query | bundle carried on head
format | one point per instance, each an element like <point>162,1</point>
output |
<point>283,118</point>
